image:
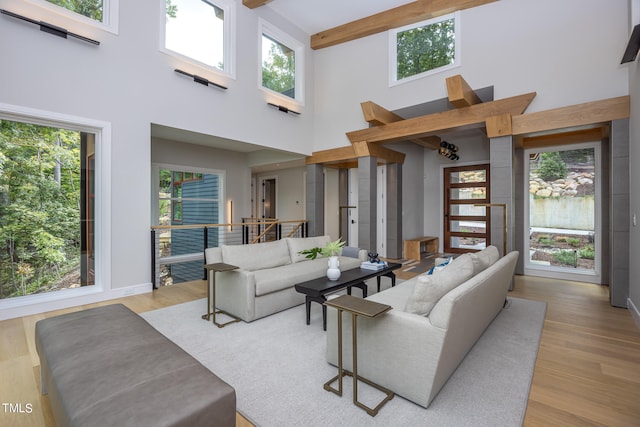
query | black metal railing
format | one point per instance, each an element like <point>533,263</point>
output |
<point>177,251</point>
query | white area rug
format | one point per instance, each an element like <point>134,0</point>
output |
<point>277,366</point>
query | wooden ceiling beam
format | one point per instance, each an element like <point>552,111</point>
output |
<point>463,118</point>
<point>376,115</point>
<point>460,93</point>
<point>332,155</point>
<point>383,154</point>
<point>575,115</point>
<point>252,4</point>
<point>349,154</point>
<point>499,125</point>
<point>393,18</point>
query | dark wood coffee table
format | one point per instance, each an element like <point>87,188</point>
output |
<point>316,289</point>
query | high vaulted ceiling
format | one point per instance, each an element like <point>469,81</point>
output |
<point>345,21</point>
<point>314,16</point>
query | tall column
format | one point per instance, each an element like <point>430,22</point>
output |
<point>367,202</point>
<point>394,210</point>
<point>619,216</point>
<point>315,200</point>
<point>501,153</point>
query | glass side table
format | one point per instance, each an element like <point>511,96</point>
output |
<point>357,307</point>
<point>212,269</point>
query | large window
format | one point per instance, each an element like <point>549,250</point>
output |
<point>281,63</point>
<point>425,48</point>
<point>200,31</point>
<point>563,227</point>
<point>50,199</point>
<point>186,198</point>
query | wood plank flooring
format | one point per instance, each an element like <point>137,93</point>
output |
<point>587,372</point>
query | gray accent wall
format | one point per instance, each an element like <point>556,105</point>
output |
<point>315,200</point>
<point>394,210</point>
<point>619,213</point>
<point>367,202</point>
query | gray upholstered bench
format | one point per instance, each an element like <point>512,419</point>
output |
<point>107,366</point>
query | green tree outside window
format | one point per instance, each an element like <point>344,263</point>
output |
<point>425,48</point>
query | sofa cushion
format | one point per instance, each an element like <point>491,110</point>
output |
<point>494,254</point>
<point>275,279</point>
<point>257,256</point>
<point>297,244</point>
<point>430,288</point>
<point>481,261</point>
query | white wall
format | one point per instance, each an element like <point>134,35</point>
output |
<point>568,52</point>
<point>289,192</point>
<point>129,83</point>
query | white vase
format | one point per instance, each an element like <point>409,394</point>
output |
<point>333,272</point>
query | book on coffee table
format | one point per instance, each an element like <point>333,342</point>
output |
<point>373,265</point>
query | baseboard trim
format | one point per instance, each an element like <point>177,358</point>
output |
<point>635,313</point>
<point>71,300</point>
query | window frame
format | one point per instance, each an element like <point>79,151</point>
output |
<point>279,36</point>
<point>29,304</point>
<point>110,14</point>
<point>229,40</point>
<point>393,49</point>
<point>155,179</point>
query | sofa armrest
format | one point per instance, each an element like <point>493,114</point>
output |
<point>236,293</point>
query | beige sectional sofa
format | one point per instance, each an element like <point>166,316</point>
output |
<point>415,347</point>
<point>264,283</point>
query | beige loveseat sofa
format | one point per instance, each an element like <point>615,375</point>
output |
<point>264,283</point>
<point>412,353</point>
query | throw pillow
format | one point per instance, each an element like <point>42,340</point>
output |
<point>350,251</point>
<point>481,261</point>
<point>440,266</point>
<point>430,288</point>
<point>493,253</point>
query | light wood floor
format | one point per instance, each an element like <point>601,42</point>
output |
<point>587,372</point>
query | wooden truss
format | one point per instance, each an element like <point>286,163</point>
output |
<point>504,117</point>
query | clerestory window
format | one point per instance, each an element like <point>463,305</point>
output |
<point>200,31</point>
<point>425,48</point>
<point>281,62</point>
<point>100,13</point>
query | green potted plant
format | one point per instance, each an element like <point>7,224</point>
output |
<point>331,250</point>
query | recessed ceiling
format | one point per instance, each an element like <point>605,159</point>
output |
<point>189,137</point>
<point>259,158</point>
<point>313,16</point>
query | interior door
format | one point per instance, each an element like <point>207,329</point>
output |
<point>353,211</point>
<point>269,198</point>
<point>466,224</point>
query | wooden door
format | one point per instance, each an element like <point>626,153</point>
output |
<point>466,225</point>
